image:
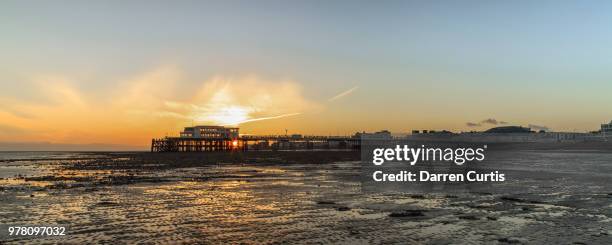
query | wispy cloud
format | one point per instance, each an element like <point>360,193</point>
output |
<point>233,101</point>
<point>10,130</point>
<point>268,118</point>
<point>489,121</point>
<point>15,111</point>
<point>343,94</point>
<point>146,105</point>
<point>471,124</point>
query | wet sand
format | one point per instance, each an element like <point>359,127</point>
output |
<point>292,197</point>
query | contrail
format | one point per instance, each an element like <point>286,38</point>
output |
<point>268,118</point>
<point>345,93</point>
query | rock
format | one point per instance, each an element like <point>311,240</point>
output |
<point>491,218</point>
<point>407,213</point>
<point>513,240</point>
<point>479,206</point>
<point>512,199</point>
<point>519,200</point>
<point>469,217</point>
<point>450,221</point>
<point>107,203</point>
<point>598,234</point>
<point>344,209</point>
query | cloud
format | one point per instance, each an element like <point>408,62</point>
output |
<point>471,124</point>
<point>145,105</point>
<point>16,111</point>
<point>489,121</point>
<point>10,130</point>
<point>538,127</point>
<point>268,118</point>
<point>234,101</point>
<point>147,91</point>
<point>343,94</point>
<point>56,109</point>
<point>220,100</point>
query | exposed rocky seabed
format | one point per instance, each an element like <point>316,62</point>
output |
<point>295,197</point>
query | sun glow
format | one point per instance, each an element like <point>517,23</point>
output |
<point>142,106</point>
<point>230,115</point>
<point>231,102</point>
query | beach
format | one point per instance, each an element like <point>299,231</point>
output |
<point>294,197</point>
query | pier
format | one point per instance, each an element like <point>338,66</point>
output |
<point>250,143</point>
<point>219,138</point>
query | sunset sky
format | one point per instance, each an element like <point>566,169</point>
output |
<point>123,72</point>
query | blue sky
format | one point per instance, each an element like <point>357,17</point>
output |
<point>417,64</point>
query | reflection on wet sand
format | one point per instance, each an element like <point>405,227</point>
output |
<point>270,203</point>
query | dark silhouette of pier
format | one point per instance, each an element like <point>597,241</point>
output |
<point>255,142</point>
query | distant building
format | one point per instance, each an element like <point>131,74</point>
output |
<point>606,128</point>
<point>210,132</point>
<point>384,134</point>
<point>431,131</point>
<point>509,129</point>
